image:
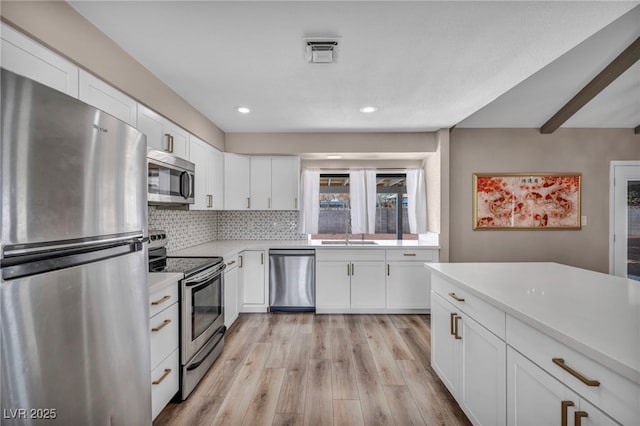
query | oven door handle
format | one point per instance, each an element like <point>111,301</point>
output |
<point>222,330</point>
<point>203,281</point>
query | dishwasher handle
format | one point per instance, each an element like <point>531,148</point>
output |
<point>292,252</point>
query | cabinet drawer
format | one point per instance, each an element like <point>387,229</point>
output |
<point>164,334</point>
<point>164,383</point>
<point>349,255</point>
<point>406,254</point>
<point>231,262</point>
<point>491,318</point>
<point>616,395</point>
<point>162,299</point>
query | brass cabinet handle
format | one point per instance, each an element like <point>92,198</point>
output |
<point>455,328</point>
<point>241,262</point>
<point>161,301</point>
<point>564,415</point>
<point>353,270</point>
<point>388,269</point>
<point>248,203</point>
<point>560,363</point>
<point>164,376</point>
<point>171,140</point>
<point>231,263</point>
<point>210,200</point>
<point>458,298</point>
<point>348,269</point>
<point>161,326</point>
<point>578,416</point>
<point>451,323</point>
<point>262,258</point>
<point>408,254</point>
<point>168,136</point>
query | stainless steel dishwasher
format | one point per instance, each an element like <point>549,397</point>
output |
<point>292,280</point>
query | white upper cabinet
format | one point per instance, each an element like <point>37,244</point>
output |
<point>237,172</point>
<point>260,183</point>
<point>285,183</point>
<point>28,58</point>
<point>209,175</point>
<point>162,134</point>
<point>96,92</point>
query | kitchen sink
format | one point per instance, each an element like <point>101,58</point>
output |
<point>349,243</point>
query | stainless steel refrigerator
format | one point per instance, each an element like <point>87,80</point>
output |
<point>74,297</point>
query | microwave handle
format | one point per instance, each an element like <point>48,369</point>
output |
<point>185,192</point>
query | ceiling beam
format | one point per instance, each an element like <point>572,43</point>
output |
<point>612,71</point>
<point>637,130</point>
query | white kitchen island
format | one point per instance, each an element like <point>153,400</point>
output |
<point>537,343</point>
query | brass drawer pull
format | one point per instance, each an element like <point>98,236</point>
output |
<point>161,301</point>
<point>388,270</point>
<point>560,363</point>
<point>452,317</point>
<point>455,328</point>
<point>565,412</point>
<point>578,416</point>
<point>231,263</point>
<point>458,298</point>
<point>161,326</point>
<point>164,376</point>
<point>408,254</point>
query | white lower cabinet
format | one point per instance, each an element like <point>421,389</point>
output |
<point>164,343</point>
<point>350,280</point>
<point>408,286</point>
<point>535,398</point>
<point>253,282</point>
<point>231,291</point>
<point>470,361</point>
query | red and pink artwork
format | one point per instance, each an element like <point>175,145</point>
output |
<point>526,201</point>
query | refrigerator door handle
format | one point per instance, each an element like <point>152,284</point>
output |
<point>26,250</point>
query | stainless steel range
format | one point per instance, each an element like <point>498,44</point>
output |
<point>201,308</point>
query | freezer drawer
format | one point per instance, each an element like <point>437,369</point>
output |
<point>292,280</point>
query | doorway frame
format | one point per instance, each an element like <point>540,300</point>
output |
<point>612,208</point>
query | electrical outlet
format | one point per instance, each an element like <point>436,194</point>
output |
<point>583,220</point>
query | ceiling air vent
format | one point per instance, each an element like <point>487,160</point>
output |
<point>321,51</point>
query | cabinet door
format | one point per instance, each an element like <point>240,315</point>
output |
<point>367,285</point>
<point>252,277</point>
<point>24,56</point>
<point>217,179</point>
<point>408,286</point>
<point>285,183</point>
<point>534,397</point>
<point>96,92</point>
<point>153,125</point>
<point>180,140</point>
<point>202,156</point>
<point>595,417</point>
<point>483,375</point>
<point>230,296</point>
<point>260,183</point>
<point>236,182</point>
<point>333,289</point>
<point>445,350</point>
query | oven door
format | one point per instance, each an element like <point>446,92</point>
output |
<point>202,309</point>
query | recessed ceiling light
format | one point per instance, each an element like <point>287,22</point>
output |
<point>368,109</point>
<point>334,157</point>
<point>244,110</point>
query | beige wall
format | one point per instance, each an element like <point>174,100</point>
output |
<point>331,143</point>
<point>586,151</point>
<point>59,27</point>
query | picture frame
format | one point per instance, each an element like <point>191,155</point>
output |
<point>527,201</point>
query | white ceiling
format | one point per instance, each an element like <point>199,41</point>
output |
<point>425,64</point>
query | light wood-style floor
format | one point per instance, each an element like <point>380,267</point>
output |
<point>306,369</point>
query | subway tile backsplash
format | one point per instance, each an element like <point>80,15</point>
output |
<point>189,228</point>
<point>184,228</point>
<point>259,225</point>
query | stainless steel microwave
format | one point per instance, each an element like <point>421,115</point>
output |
<point>171,179</point>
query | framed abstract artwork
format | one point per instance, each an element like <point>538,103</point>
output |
<point>526,201</point>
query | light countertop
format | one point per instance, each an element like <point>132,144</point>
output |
<point>160,280</point>
<point>229,248</point>
<point>594,313</point>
